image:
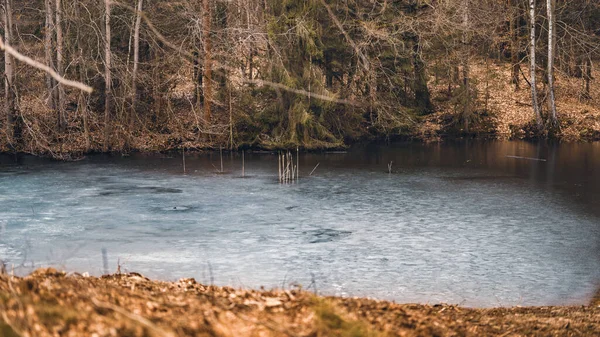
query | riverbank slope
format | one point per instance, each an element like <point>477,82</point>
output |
<point>50,303</point>
<point>501,113</point>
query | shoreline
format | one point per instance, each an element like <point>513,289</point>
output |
<point>76,155</point>
<point>52,303</point>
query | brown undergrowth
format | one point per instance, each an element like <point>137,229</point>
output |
<point>501,111</point>
<point>51,303</point>
<point>498,111</point>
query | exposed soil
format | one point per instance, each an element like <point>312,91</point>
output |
<point>50,303</point>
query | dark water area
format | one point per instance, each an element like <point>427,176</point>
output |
<point>471,223</point>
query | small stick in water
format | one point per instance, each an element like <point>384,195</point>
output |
<point>288,171</point>
<point>221,151</point>
<point>311,172</point>
<point>291,168</point>
<point>243,164</point>
<point>390,167</point>
<point>297,163</point>
<point>183,154</point>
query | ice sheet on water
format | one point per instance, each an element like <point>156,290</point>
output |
<point>325,235</point>
<point>8,254</point>
<point>438,231</point>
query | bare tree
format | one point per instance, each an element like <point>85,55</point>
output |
<point>587,77</point>
<point>206,31</point>
<point>83,99</point>
<point>60,108</point>
<point>136,58</point>
<point>515,18</point>
<point>465,64</point>
<point>49,50</point>
<point>107,74</point>
<point>532,66</point>
<point>551,4</point>
<point>9,85</point>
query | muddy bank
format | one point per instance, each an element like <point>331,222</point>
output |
<point>50,303</point>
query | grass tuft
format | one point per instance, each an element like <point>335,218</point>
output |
<point>331,323</point>
<point>6,330</point>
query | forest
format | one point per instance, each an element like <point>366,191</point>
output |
<point>199,74</point>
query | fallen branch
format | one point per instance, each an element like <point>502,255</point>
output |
<point>29,61</point>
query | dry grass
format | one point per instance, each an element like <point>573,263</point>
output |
<point>50,303</point>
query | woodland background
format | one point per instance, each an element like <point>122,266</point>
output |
<point>196,74</point>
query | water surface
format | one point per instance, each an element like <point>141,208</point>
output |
<point>477,224</point>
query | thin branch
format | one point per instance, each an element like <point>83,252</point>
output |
<point>29,61</point>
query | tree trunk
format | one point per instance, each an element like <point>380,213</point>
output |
<point>60,107</point>
<point>328,70</point>
<point>207,61</point>
<point>9,86</point>
<point>82,105</point>
<point>107,76</point>
<point>515,48</point>
<point>49,50</point>
<point>422,94</point>
<point>465,65</point>
<point>198,80</point>
<point>532,67</point>
<point>251,52</point>
<point>588,77</point>
<point>83,100</point>
<point>550,4</point>
<point>136,60</point>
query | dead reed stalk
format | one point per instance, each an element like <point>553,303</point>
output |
<point>288,170</point>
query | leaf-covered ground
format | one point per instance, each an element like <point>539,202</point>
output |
<point>50,303</point>
<point>503,112</point>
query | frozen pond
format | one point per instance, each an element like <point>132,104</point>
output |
<point>463,223</point>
